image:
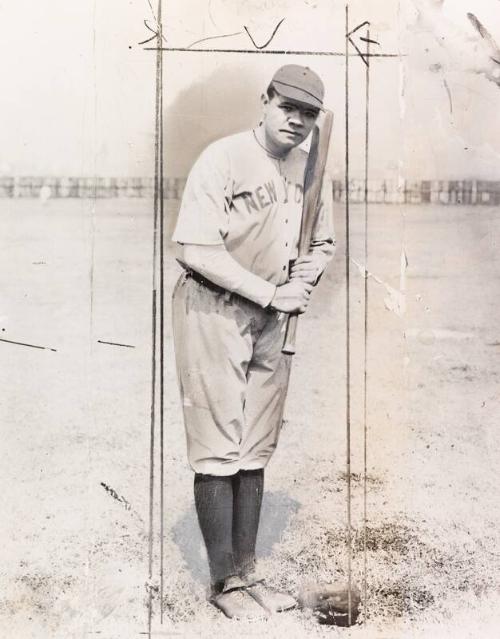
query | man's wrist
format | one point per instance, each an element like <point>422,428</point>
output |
<point>270,304</point>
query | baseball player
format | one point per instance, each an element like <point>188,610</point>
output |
<point>238,230</point>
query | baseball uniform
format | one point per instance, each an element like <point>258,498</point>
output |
<point>233,377</point>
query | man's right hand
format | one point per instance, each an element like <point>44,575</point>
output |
<point>292,297</point>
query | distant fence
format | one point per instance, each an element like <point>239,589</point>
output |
<point>383,191</point>
<point>422,191</point>
<point>85,187</point>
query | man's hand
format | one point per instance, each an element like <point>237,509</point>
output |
<point>292,297</point>
<point>308,268</point>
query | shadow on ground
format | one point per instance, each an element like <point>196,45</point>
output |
<point>277,510</point>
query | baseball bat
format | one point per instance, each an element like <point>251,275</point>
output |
<point>313,178</point>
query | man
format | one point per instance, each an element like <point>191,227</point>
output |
<point>238,227</point>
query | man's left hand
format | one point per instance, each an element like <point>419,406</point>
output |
<point>308,268</point>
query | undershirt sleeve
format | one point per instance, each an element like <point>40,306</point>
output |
<point>218,266</point>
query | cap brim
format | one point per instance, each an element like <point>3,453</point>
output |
<point>299,95</point>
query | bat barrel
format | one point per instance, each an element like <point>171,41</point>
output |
<point>313,178</point>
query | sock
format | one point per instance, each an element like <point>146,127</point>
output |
<point>213,497</point>
<point>248,488</point>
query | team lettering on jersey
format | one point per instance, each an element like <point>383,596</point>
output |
<point>266,194</point>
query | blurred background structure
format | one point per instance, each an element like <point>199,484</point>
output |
<point>379,191</point>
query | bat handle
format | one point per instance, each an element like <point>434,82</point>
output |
<point>291,330</point>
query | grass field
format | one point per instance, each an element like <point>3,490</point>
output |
<point>75,431</point>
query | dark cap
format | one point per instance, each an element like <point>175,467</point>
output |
<point>299,83</point>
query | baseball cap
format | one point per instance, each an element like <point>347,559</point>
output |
<point>299,83</point>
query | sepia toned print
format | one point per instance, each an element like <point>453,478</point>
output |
<point>138,164</point>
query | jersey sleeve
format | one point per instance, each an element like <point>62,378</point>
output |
<point>204,213</point>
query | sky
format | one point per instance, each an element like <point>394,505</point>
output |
<point>78,89</point>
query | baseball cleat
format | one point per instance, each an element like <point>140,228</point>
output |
<point>238,604</point>
<point>271,599</point>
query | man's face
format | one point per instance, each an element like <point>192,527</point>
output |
<point>287,122</point>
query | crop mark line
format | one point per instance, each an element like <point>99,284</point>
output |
<point>42,348</point>
<point>101,341</point>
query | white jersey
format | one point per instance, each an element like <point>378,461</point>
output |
<point>238,195</point>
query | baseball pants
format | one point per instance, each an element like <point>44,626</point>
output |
<point>233,377</point>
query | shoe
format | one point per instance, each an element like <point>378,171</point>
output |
<point>270,599</point>
<point>238,604</point>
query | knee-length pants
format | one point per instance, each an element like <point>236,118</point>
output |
<point>232,375</point>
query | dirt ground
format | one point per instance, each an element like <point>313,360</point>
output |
<point>76,432</point>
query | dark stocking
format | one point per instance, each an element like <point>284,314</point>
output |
<point>248,487</point>
<point>213,498</point>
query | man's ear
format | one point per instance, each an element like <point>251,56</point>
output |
<point>264,100</point>
<point>264,103</point>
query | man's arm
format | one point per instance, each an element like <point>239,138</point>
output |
<point>310,267</point>
<point>218,266</point>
